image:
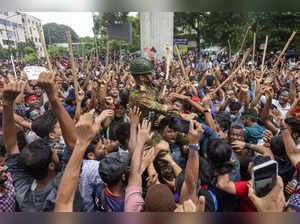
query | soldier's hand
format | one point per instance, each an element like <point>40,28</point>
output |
<point>46,81</point>
<point>11,91</point>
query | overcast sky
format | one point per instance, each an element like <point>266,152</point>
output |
<point>80,22</point>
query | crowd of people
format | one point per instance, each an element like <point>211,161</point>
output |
<point>120,135</point>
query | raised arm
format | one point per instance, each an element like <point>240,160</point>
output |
<point>289,144</point>
<point>67,125</point>
<point>10,93</point>
<point>86,129</point>
<point>189,187</point>
<point>135,176</point>
<point>292,109</point>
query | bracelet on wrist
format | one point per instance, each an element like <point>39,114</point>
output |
<point>194,147</point>
<point>282,129</point>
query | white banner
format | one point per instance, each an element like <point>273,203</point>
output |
<point>33,72</point>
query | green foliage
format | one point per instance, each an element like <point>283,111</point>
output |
<point>29,50</point>
<point>56,33</point>
<point>31,59</point>
<point>218,27</point>
<point>4,53</point>
<point>103,19</point>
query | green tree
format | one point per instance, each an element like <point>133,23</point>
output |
<point>4,53</point>
<point>102,20</point>
<point>56,33</point>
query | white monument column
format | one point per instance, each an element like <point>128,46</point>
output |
<point>156,31</point>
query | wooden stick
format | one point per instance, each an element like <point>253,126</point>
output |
<point>90,61</point>
<point>233,73</point>
<point>76,84</point>
<point>254,44</point>
<point>45,50</point>
<point>181,63</point>
<point>264,55</point>
<point>283,51</point>
<point>167,69</point>
<point>229,61</point>
<point>242,46</point>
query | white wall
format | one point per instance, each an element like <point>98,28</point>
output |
<point>156,30</point>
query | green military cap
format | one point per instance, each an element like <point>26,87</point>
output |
<point>141,66</point>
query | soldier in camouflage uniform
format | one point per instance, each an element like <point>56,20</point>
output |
<point>145,96</point>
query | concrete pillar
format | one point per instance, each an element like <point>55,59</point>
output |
<point>156,30</point>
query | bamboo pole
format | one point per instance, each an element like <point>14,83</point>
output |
<point>242,46</point>
<point>45,50</point>
<point>283,51</point>
<point>181,63</point>
<point>264,55</point>
<point>233,73</point>
<point>229,45</point>
<point>168,68</point>
<point>76,84</point>
<point>254,44</point>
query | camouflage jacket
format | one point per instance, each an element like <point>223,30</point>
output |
<point>146,99</point>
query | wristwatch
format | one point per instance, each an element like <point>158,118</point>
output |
<point>206,111</point>
<point>247,146</point>
<point>194,147</point>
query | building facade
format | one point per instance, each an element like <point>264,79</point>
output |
<point>16,27</point>
<point>30,24</point>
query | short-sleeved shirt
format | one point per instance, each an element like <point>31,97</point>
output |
<point>133,199</point>
<point>246,204</point>
<point>30,200</point>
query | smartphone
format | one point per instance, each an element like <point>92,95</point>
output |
<point>180,125</point>
<point>264,177</point>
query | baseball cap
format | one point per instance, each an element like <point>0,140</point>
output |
<point>113,165</point>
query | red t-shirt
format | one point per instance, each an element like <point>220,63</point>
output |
<point>246,204</point>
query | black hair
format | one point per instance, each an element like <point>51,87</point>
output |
<point>252,112</point>
<point>223,120</point>
<point>210,80</point>
<point>124,97</point>
<point>235,106</point>
<point>277,146</point>
<point>44,124</point>
<point>294,124</point>
<point>123,133</point>
<point>204,178</point>
<point>219,155</point>
<point>165,122</point>
<point>71,98</point>
<point>236,126</point>
<point>91,148</point>
<point>35,158</point>
<point>260,160</point>
<point>186,106</point>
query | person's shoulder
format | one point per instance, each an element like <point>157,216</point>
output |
<point>90,164</point>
